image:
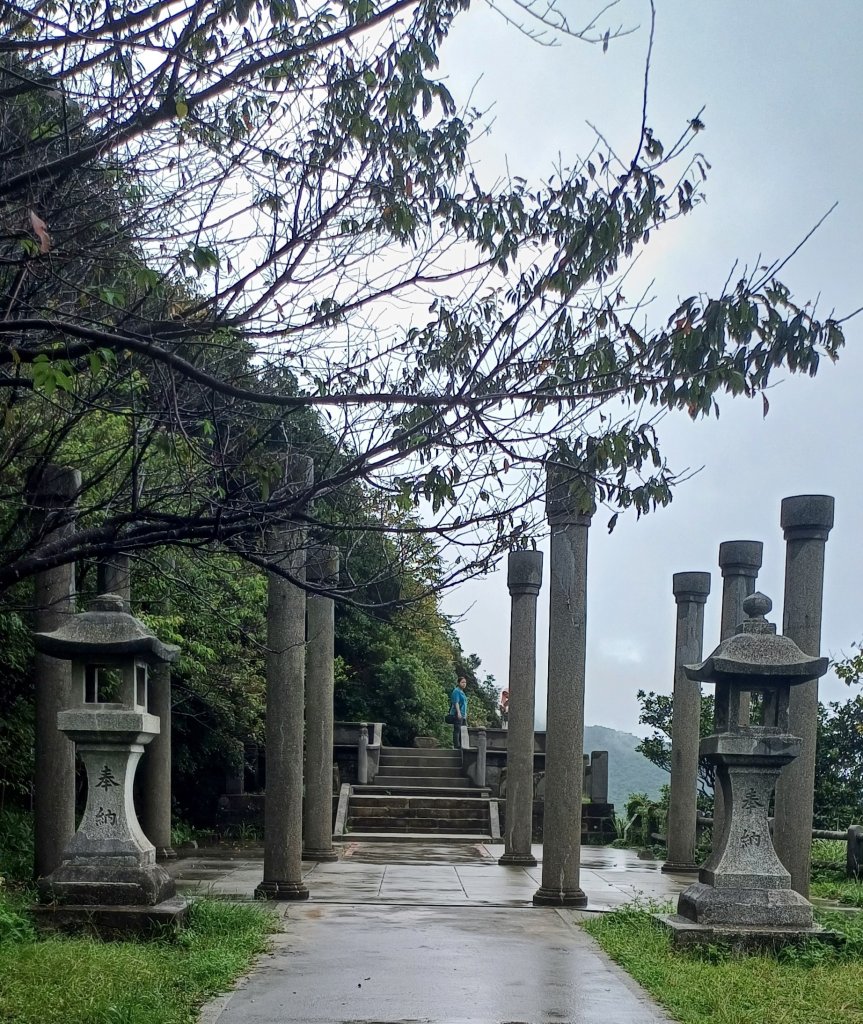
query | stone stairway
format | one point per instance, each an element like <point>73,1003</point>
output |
<point>420,793</point>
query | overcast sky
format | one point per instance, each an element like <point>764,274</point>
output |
<point>782,87</point>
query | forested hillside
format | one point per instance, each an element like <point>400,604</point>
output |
<point>628,771</point>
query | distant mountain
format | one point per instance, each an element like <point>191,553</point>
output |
<point>628,771</point>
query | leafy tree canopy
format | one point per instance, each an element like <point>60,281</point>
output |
<point>219,218</point>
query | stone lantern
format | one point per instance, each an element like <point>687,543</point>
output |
<point>743,892</point>
<point>109,864</point>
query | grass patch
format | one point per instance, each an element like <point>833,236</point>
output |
<point>813,984</point>
<point>839,888</point>
<point>84,981</point>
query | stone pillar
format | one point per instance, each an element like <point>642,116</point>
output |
<point>115,577</point>
<point>322,568</point>
<point>363,755</point>
<point>54,598</point>
<point>524,579</point>
<point>739,562</point>
<point>690,593</point>
<point>481,750</point>
<point>569,507</point>
<point>156,775</point>
<point>285,668</point>
<point>806,520</point>
<point>598,792</point>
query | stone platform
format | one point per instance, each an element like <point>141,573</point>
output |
<point>685,934</point>
<point>111,922</point>
<point>432,874</point>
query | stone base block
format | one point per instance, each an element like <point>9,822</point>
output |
<point>111,922</point>
<point>281,891</point>
<point>166,853</point>
<point>526,860</point>
<point>77,884</point>
<point>717,907</point>
<point>559,897</point>
<point>685,934</point>
<point>670,868</point>
<point>427,742</point>
<point>321,855</point>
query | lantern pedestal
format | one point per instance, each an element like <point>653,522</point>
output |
<point>108,880</point>
<point>109,860</point>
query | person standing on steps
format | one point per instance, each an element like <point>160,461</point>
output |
<point>458,709</point>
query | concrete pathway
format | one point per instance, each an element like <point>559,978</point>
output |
<point>430,934</point>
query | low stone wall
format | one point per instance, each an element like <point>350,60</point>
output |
<point>597,821</point>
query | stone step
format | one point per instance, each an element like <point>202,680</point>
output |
<point>448,813</point>
<point>430,826</point>
<point>422,781</point>
<point>428,802</point>
<point>420,761</point>
<point>418,752</point>
<point>444,771</point>
<point>411,837</point>
<point>392,789</point>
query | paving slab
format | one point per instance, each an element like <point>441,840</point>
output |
<point>434,873</point>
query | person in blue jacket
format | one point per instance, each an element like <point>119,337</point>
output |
<point>458,707</point>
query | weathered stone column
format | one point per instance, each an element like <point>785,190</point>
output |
<point>807,520</point>
<point>598,791</point>
<point>569,507</point>
<point>156,787</point>
<point>690,593</point>
<point>524,579</point>
<point>286,669</point>
<point>481,755</point>
<point>739,562</point>
<point>115,577</point>
<point>54,598</point>
<point>322,568</point>
<point>363,755</point>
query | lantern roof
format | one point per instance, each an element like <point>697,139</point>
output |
<point>756,651</point>
<point>105,630</point>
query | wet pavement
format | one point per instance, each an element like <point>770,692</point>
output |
<point>432,874</point>
<point>385,939</point>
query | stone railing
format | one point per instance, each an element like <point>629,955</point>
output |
<point>357,750</point>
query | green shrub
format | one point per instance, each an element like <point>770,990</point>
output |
<point>16,845</point>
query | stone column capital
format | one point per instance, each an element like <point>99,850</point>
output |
<point>807,516</point>
<point>691,587</point>
<point>54,485</point>
<point>524,572</point>
<point>322,564</point>
<point>740,557</point>
<point>569,497</point>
